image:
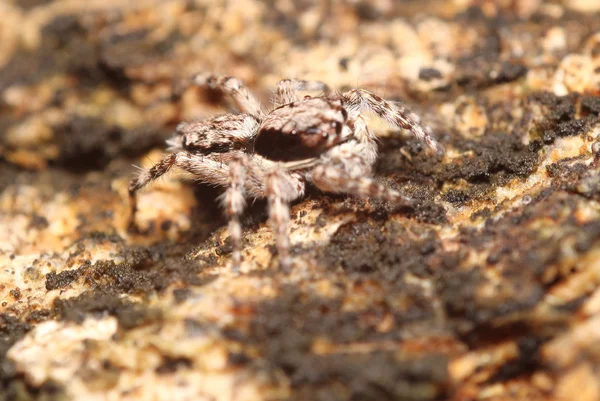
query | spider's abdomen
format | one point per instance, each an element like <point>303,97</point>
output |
<point>302,129</point>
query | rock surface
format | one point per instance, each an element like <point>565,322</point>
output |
<point>486,288</point>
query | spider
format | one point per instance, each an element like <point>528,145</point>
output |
<point>321,139</point>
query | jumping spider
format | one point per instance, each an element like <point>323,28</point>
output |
<point>323,140</point>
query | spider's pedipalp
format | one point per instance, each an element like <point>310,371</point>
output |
<point>365,147</point>
<point>358,100</point>
<point>287,89</point>
<point>330,178</point>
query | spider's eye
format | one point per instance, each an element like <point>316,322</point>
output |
<point>336,126</point>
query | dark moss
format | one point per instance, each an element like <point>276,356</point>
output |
<point>365,246</point>
<point>120,278</point>
<point>520,254</point>
<point>285,328</point>
<point>62,279</point>
<point>527,362</point>
<point>498,156</point>
<point>143,272</point>
<point>29,4</point>
<point>591,105</point>
<point>343,63</point>
<point>89,144</point>
<point>9,173</point>
<point>117,51</point>
<point>474,72</point>
<point>560,108</point>
<point>457,197</point>
<point>429,212</point>
<point>570,128</point>
<point>11,331</point>
<point>181,294</point>
<point>171,365</point>
<point>238,358</point>
<point>97,303</point>
<point>164,264</point>
<point>38,316</point>
<point>429,74</point>
<point>65,48</point>
<point>39,222</point>
<point>457,290</point>
<point>71,46</point>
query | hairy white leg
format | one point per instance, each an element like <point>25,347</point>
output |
<point>234,202</point>
<point>359,100</point>
<point>220,134</point>
<point>143,179</point>
<point>241,95</point>
<point>281,189</point>
<point>204,169</point>
<point>287,89</point>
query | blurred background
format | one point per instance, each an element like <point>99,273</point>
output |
<point>82,81</point>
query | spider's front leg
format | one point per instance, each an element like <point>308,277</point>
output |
<point>144,178</point>
<point>287,89</point>
<point>231,86</point>
<point>203,168</point>
<point>358,100</point>
<point>282,188</point>
<point>234,202</point>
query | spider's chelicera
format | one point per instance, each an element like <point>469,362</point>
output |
<point>323,140</point>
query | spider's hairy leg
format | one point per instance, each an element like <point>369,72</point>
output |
<point>217,135</point>
<point>239,92</point>
<point>204,169</point>
<point>234,203</point>
<point>358,100</point>
<point>144,178</point>
<point>287,89</point>
<point>281,188</point>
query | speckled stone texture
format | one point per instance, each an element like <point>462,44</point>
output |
<point>487,287</point>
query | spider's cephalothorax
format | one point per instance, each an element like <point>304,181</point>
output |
<point>302,129</point>
<point>323,140</point>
